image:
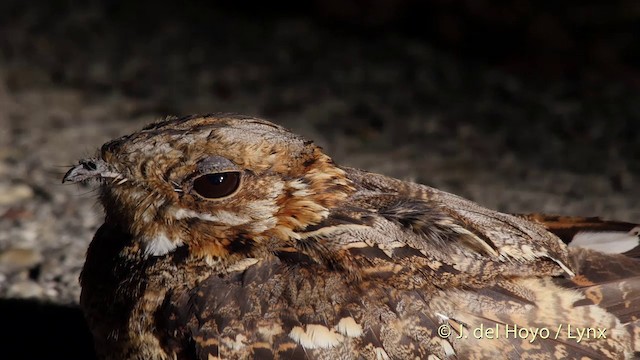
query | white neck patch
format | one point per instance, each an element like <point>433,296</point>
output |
<point>160,245</point>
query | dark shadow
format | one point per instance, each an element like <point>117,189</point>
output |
<point>37,330</point>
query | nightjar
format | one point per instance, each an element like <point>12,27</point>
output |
<point>229,237</point>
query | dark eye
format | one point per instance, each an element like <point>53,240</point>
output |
<point>213,186</point>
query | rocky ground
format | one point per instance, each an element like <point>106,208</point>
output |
<point>379,100</point>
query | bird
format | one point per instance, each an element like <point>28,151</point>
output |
<point>229,237</point>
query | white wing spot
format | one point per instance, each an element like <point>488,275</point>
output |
<point>267,332</point>
<point>349,327</point>
<point>242,265</point>
<point>563,267</point>
<point>315,336</point>
<point>442,317</point>
<point>381,354</point>
<point>235,344</point>
<point>610,242</point>
<point>448,349</point>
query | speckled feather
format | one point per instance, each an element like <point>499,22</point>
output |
<point>310,260</point>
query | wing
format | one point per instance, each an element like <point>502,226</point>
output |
<point>389,269</point>
<point>592,232</point>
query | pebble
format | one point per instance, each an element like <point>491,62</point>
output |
<point>14,193</point>
<point>14,260</point>
<point>25,289</point>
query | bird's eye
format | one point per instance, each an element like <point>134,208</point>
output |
<point>217,185</point>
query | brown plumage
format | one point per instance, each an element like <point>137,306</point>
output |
<point>228,237</point>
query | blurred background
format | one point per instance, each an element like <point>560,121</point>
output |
<point>520,105</point>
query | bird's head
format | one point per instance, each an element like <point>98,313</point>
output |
<point>221,185</point>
